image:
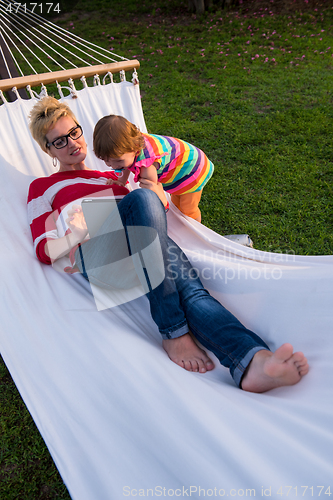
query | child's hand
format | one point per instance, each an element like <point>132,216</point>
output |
<point>112,181</point>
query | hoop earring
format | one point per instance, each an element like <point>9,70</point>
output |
<point>55,162</point>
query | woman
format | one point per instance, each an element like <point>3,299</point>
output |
<point>179,304</point>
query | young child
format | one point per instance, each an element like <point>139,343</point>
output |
<point>181,168</point>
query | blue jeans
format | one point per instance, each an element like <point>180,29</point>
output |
<point>180,302</point>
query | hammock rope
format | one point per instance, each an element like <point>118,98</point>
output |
<point>47,45</point>
<point>38,19</point>
<point>15,16</point>
<point>11,53</point>
<point>18,31</point>
<point>27,47</point>
<point>3,56</point>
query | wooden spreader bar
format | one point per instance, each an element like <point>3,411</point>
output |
<point>61,76</point>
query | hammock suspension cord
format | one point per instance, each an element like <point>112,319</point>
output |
<point>47,45</point>
<point>25,24</point>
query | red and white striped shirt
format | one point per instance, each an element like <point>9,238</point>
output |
<point>50,197</point>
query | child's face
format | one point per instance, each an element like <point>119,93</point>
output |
<point>121,163</point>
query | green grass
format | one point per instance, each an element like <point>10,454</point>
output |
<point>266,124</point>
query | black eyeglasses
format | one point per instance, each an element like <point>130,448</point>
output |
<point>62,141</point>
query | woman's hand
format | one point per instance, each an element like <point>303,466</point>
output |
<point>76,222</point>
<point>60,247</point>
<point>153,186</point>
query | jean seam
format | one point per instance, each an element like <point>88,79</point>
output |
<point>241,368</point>
<point>234,367</point>
<point>169,330</point>
<point>219,348</point>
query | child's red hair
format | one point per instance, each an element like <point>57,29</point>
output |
<point>114,136</point>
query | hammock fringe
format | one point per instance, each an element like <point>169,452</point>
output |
<point>69,75</point>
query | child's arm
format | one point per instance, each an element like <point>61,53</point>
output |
<point>157,188</point>
<point>122,179</point>
<point>124,176</point>
<point>149,180</point>
<point>149,173</point>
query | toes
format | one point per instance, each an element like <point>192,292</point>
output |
<point>198,365</point>
<point>187,365</point>
<point>298,357</point>
<point>283,353</point>
<point>195,365</point>
<point>181,363</point>
<point>205,364</point>
<point>202,366</point>
<point>185,353</point>
<point>301,363</point>
<point>303,370</point>
<point>209,365</point>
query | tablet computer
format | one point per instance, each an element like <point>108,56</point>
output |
<point>96,211</point>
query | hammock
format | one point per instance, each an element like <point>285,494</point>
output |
<point>118,417</point>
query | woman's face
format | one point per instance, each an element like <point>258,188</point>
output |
<point>72,156</point>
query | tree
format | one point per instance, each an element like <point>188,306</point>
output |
<point>198,6</point>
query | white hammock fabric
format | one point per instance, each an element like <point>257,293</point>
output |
<point>119,418</point>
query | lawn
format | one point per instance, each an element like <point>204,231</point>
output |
<point>252,87</point>
<point>255,93</point>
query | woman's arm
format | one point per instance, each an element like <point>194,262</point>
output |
<point>57,248</point>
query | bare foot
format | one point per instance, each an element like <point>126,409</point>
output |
<point>184,352</point>
<point>268,370</point>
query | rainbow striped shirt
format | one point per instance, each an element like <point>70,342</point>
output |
<point>183,167</point>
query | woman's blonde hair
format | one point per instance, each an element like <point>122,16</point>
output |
<point>114,136</point>
<point>44,115</point>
